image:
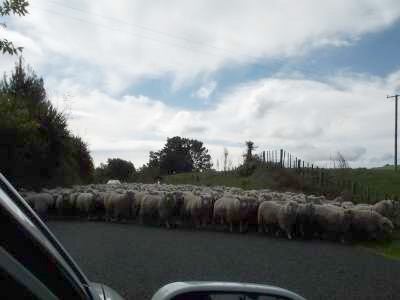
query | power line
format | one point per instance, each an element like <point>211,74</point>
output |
<point>129,33</point>
<point>159,32</point>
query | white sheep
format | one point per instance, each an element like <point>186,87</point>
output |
<point>273,215</point>
<point>332,221</point>
<point>226,211</point>
<point>197,208</point>
<point>83,203</point>
<point>370,225</point>
<point>149,208</point>
<point>40,203</point>
<point>389,209</point>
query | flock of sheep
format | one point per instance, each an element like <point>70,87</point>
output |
<point>292,215</point>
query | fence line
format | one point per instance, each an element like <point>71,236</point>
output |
<point>325,178</point>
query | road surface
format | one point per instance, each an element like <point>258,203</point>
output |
<point>137,260</point>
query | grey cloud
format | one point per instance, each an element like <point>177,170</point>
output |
<point>382,159</point>
<point>354,153</point>
<point>263,105</point>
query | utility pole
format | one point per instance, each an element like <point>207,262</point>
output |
<point>396,98</point>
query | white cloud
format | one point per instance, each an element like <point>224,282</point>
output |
<point>311,119</point>
<point>185,38</point>
<point>205,91</point>
<point>95,58</point>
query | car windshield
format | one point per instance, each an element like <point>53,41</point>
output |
<point>220,141</point>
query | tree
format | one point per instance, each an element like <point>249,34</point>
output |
<point>115,168</point>
<point>15,7</point>
<point>200,158</point>
<point>36,147</point>
<point>251,162</point>
<point>181,155</point>
<point>249,151</point>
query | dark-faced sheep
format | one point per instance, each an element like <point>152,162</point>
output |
<point>304,221</point>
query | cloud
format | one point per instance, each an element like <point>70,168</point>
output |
<point>382,159</point>
<point>311,119</point>
<point>98,60</point>
<point>206,90</point>
<point>113,45</point>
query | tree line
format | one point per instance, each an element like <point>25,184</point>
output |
<point>178,155</point>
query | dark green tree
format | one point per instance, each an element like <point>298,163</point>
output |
<point>116,168</point>
<point>37,148</point>
<point>181,155</point>
<point>250,147</point>
<point>15,7</point>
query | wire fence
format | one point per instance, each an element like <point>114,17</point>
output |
<point>330,181</point>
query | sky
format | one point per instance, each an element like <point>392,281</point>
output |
<point>310,77</point>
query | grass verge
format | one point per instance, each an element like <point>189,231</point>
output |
<point>388,249</point>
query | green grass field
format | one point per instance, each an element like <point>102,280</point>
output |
<point>384,180</point>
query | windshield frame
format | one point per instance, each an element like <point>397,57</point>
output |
<point>16,206</point>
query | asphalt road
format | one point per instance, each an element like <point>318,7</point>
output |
<point>137,260</point>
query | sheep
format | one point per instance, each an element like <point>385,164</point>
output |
<point>347,204</point>
<point>97,209</point>
<point>123,205</point>
<point>276,216</point>
<point>82,202</point>
<point>197,208</point>
<point>118,206</point>
<point>316,199</point>
<point>226,211</point>
<point>370,225</point>
<point>110,198</point>
<point>389,209</point>
<point>149,207</point>
<point>169,208</point>
<point>64,205</point>
<point>40,203</point>
<point>114,182</point>
<point>304,221</point>
<point>331,221</point>
<point>248,212</point>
